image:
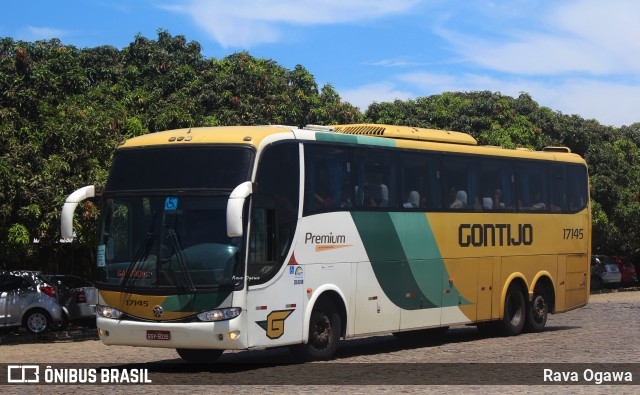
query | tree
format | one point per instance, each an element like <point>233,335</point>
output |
<point>63,111</point>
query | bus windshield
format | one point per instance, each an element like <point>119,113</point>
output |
<point>163,220</point>
<point>175,243</point>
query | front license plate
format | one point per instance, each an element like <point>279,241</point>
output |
<point>158,335</point>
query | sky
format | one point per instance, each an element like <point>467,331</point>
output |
<point>574,56</point>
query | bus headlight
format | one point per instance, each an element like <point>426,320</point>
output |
<point>108,312</point>
<point>220,314</point>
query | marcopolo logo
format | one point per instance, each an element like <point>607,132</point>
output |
<point>501,235</point>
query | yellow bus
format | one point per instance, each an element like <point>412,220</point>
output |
<point>228,238</point>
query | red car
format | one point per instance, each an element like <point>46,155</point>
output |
<point>628,270</point>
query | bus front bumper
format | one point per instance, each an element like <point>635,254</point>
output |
<point>222,335</point>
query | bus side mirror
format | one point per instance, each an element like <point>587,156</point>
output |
<point>235,208</point>
<point>66,220</point>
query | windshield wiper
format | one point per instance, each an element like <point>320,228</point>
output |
<point>182,259</point>
<point>142,253</point>
<point>140,256</point>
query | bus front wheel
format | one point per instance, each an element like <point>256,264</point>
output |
<point>191,355</point>
<point>514,311</point>
<point>325,327</point>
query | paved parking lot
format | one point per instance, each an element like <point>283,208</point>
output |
<point>605,331</point>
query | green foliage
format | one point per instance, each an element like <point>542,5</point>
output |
<point>63,111</point>
<point>18,235</point>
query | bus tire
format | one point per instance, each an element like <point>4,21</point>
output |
<point>192,355</point>
<point>325,327</point>
<point>515,312</point>
<point>537,312</point>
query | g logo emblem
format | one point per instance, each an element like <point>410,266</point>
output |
<point>274,325</point>
<point>157,311</point>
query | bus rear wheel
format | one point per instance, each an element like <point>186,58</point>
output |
<point>192,355</point>
<point>514,311</point>
<point>537,312</point>
<point>325,327</point>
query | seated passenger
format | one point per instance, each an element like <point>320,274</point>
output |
<point>376,195</point>
<point>384,196</point>
<point>487,203</point>
<point>540,205</point>
<point>413,201</point>
<point>322,199</point>
<point>461,200</point>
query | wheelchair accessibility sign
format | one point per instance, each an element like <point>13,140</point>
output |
<point>171,204</point>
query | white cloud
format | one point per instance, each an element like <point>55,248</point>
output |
<point>610,103</point>
<point>244,23</point>
<point>584,36</point>
<point>33,33</point>
<point>364,95</point>
<point>399,62</point>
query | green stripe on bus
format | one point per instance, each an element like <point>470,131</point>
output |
<point>389,262</point>
<point>421,250</point>
<point>406,259</point>
<point>195,302</point>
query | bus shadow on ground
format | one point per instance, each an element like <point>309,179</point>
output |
<point>247,361</point>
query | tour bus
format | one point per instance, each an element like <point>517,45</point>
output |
<point>233,238</point>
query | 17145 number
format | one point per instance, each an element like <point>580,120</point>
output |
<point>573,234</point>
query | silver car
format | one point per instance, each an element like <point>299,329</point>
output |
<point>604,272</point>
<point>28,300</point>
<point>77,295</point>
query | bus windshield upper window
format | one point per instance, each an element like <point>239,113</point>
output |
<point>170,168</point>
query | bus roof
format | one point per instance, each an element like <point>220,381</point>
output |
<point>361,134</point>
<point>246,135</point>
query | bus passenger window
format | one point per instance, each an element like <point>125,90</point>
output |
<point>461,182</point>
<point>377,181</point>
<point>577,187</point>
<point>327,179</point>
<point>531,182</point>
<point>495,185</point>
<point>420,181</point>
